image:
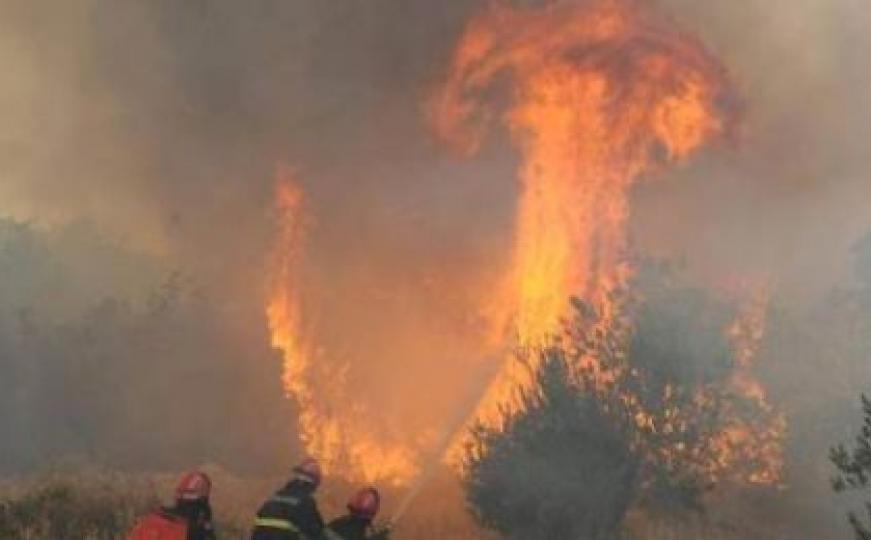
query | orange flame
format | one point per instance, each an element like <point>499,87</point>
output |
<point>756,440</point>
<point>283,308</point>
<point>603,93</point>
<point>329,429</point>
<point>743,442</point>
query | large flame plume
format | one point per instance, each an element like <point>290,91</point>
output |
<point>603,94</point>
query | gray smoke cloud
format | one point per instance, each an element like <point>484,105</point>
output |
<point>166,120</point>
<point>163,122</point>
<point>789,199</point>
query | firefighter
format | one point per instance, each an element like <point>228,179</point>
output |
<point>292,513</point>
<point>189,518</point>
<point>357,523</point>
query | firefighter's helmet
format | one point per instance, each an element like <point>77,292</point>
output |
<point>309,470</point>
<point>365,503</point>
<point>193,485</point>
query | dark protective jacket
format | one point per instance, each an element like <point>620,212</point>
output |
<point>353,528</point>
<point>347,528</point>
<point>290,514</point>
<point>198,514</point>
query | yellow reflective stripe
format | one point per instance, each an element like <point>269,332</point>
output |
<point>273,523</point>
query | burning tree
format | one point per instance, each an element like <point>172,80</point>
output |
<point>601,96</point>
<point>854,470</point>
<point>597,96</point>
<point>640,413</point>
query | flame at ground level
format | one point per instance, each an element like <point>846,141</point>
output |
<point>331,426</point>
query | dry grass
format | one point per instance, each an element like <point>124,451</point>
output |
<point>89,504</point>
<point>62,507</point>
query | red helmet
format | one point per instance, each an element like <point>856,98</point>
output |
<point>309,471</point>
<point>192,486</point>
<point>365,503</point>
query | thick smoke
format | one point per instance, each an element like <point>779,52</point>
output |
<point>162,122</point>
<point>166,120</point>
<point>788,200</point>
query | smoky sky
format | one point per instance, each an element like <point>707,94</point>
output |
<point>164,121</point>
<point>789,198</point>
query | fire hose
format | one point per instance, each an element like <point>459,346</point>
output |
<point>448,436</point>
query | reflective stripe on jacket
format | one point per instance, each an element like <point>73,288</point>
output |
<point>274,523</point>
